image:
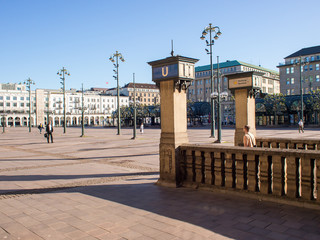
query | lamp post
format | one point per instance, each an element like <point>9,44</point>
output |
<point>216,31</point>
<point>301,63</point>
<point>29,82</point>
<point>134,109</point>
<point>217,96</point>
<point>115,58</point>
<point>82,113</point>
<point>219,102</point>
<point>3,122</point>
<point>62,72</point>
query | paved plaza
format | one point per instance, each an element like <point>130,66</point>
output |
<point>102,186</point>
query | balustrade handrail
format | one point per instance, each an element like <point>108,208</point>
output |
<point>292,143</point>
<point>272,172</point>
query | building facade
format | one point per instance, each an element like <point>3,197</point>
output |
<point>146,94</point>
<point>200,88</point>
<point>48,103</point>
<point>310,71</point>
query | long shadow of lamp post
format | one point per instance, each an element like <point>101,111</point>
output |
<point>115,59</point>
<point>216,31</point>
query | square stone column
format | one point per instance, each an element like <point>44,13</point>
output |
<point>244,86</point>
<point>173,76</point>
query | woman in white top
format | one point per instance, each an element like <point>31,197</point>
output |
<point>249,139</point>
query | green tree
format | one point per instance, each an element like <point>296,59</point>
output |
<point>313,103</point>
<point>275,105</point>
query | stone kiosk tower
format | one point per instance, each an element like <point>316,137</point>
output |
<point>244,87</point>
<point>173,76</point>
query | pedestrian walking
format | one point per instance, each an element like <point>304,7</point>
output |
<point>301,126</point>
<point>249,139</point>
<point>49,132</point>
<point>40,127</point>
<point>141,128</point>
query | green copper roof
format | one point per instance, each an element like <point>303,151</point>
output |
<point>232,64</point>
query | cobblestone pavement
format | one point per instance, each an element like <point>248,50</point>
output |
<point>102,187</point>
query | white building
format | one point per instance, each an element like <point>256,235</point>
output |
<point>14,104</point>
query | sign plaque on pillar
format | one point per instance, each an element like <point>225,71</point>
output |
<point>244,86</point>
<point>173,76</point>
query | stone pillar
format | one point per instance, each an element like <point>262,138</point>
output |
<point>244,86</point>
<point>173,76</point>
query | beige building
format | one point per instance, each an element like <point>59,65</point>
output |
<point>310,71</point>
<point>14,103</point>
<point>146,94</point>
<point>200,89</point>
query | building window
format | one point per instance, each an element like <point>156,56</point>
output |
<point>292,91</point>
<point>292,80</point>
<point>317,67</point>
<point>1,104</point>
<point>288,91</point>
<point>292,69</point>
<point>288,81</point>
<point>21,104</point>
<point>310,68</point>
<point>312,58</point>
<point>8,104</point>
<point>288,70</point>
<point>317,78</point>
<point>8,97</point>
<point>311,78</point>
<point>1,98</point>
<point>306,68</point>
<point>15,104</point>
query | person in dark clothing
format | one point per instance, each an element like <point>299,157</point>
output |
<point>49,129</point>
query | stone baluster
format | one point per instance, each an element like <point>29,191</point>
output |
<point>228,170</point>
<point>209,168</point>
<point>306,178</point>
<point>198,167</point>
<point>277,175</point>
<point>239,157</point>
<point>291,177</point>
<point>264,174</point>
<point>252,175</point>
<point>217,168</point>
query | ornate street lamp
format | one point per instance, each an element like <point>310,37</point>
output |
<point>216,32</point>
<point>62,72</point>
<point>82,108</point>
<point>301,63</point>
<point>29,82</point>
<point>134,109</point>
<point>115,59</point>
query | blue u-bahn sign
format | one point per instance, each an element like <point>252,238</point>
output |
<point>168,71</point>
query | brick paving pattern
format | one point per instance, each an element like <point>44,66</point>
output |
<point>102,186</point>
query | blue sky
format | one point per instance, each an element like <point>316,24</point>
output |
<point>40,37</point>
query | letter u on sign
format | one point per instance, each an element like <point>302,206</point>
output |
<point>165,71</point>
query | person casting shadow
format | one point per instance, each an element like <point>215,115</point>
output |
<point>49,129</point>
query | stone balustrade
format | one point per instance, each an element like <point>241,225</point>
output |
<point>289,143</point>
<point>286,174</point>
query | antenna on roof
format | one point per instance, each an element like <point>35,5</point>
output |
<point>172,48</point>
